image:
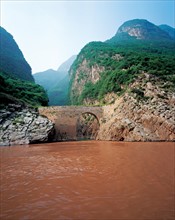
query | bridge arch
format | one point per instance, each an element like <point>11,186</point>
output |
<point>65,119</point>
<point>87,126</point>
<point>91,113</point>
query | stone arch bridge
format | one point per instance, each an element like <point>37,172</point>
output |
<point>65,119</point>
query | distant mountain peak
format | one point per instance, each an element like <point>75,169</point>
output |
<point>56,82</point>
<point>64,67</point>
<point>141,29</point>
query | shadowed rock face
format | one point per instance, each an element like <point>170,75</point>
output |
<point>87,127</point>
<point>19,125</point>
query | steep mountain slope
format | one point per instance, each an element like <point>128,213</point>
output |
<point>102,69</point>
<point>133,75</point>
<point>12,60</point>
<point>56,82</point>
<point>64,67</point>
<point>16,82</point>
<point>169,30</point>
<point>58,95</point>
<point>20,122</point>
<point>16,91</point>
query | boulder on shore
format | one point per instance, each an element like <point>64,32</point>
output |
<point>23,125</point>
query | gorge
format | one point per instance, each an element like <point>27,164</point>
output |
<point>128,78</point>
<point>94,137</point>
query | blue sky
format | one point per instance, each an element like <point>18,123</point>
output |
<point>49,32</point>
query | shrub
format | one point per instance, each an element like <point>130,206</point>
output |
<point>23,91</point>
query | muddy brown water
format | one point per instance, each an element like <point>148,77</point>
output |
<point>88,180</point>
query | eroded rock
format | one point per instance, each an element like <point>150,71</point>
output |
<point>133,118</point>
<point>21,125</point>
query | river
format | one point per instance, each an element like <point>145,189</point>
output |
<point>88,180</point>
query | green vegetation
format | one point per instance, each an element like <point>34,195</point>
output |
<point>12,60</point>
<point>58,94</point>
<point>13,90</point>
<point>56,85</point>
<point>123,63</point>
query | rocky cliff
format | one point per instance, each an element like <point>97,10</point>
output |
<point>81,73</point>
<point>144,114</point>
<point>23,125</point>
<point>132,76</point>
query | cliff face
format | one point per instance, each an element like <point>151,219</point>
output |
<point>12,59</point>
<point>147,115</point>
<point>23,125</point>
<point>145,112</point>
<point>84,74</point>
<point>132,76</point>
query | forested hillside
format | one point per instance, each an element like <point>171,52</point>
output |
<point>13,90</point>
<point>16,81</point>
<point>12,59</point>
<point>118,62</point>
<point>169,30</point>
<point>132,75</point>
<point>121,65</point>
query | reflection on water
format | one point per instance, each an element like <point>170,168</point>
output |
<point>88,180</point>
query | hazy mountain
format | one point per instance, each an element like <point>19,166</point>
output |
<point>64,67</point>
<point>169,30</point>
<point>48,78</point>
<point>55,82</point>
<point>58,95</point>
<point>12,59</point>
<point>140,29</point>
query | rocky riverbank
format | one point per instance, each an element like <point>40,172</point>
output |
<point>145,113</point>
<point>23,125</point>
